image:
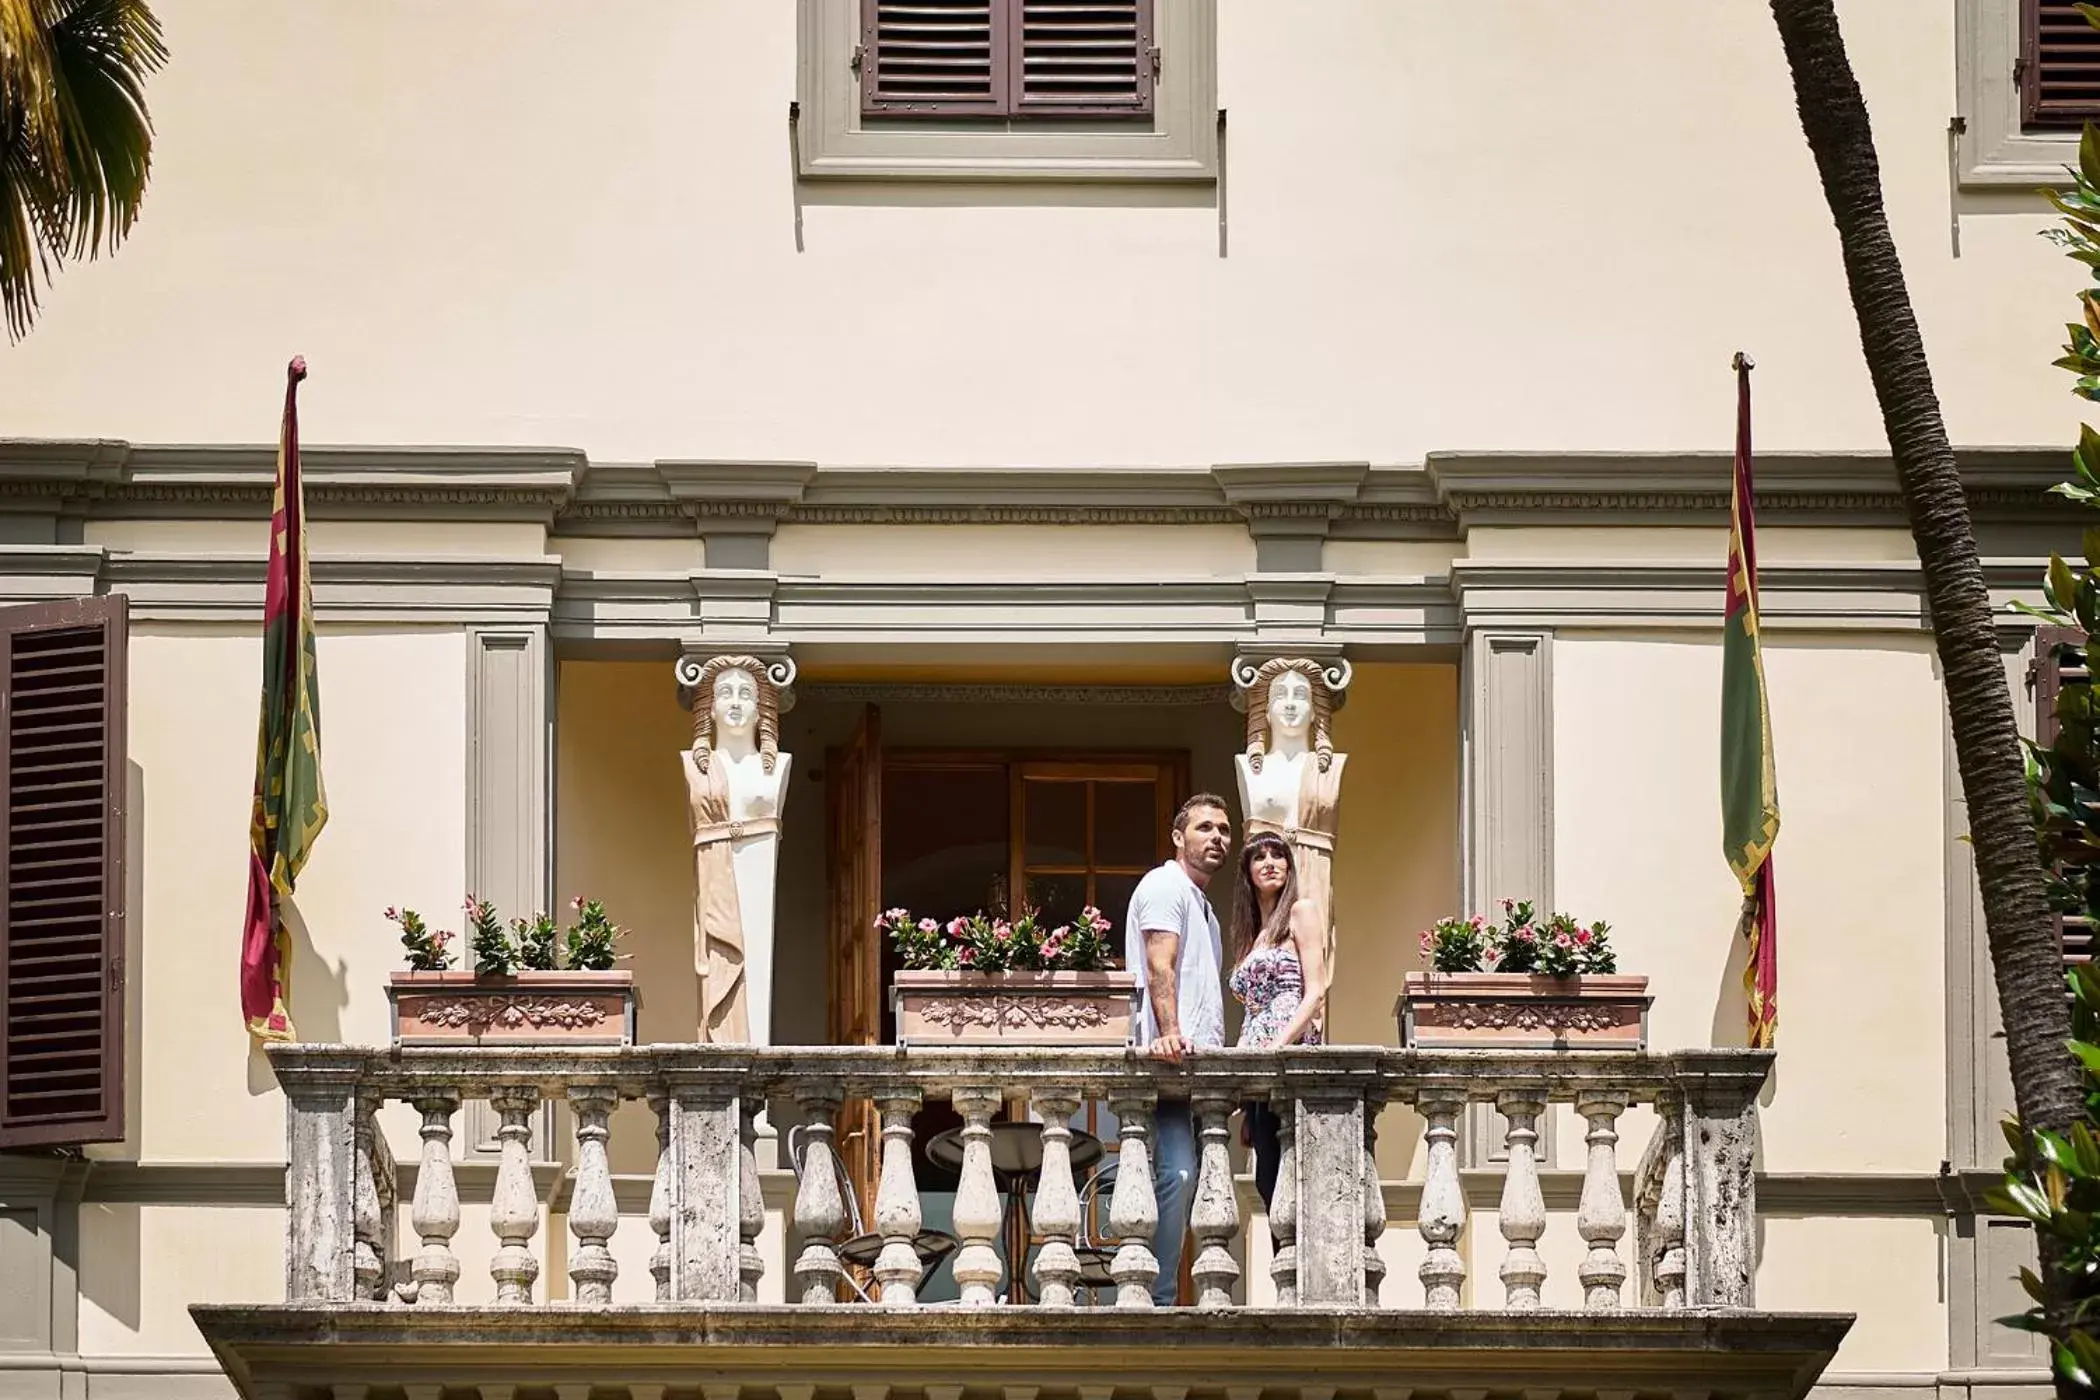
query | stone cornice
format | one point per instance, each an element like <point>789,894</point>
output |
<point>1448,495</point>
<point>101,479</point>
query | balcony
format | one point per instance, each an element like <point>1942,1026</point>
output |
<point>1666,1272</point>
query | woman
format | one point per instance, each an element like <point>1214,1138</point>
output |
<point>1281,976</point>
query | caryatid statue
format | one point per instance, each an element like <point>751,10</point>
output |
<point>736,781</point>
<point>1290,775</point>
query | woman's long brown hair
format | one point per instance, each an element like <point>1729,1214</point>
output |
<point>1248,930</point>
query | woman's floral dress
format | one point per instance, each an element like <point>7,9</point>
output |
<point>1270,984</point>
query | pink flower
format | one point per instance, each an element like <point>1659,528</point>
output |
<point>929,927</point>
<point>968,956</point>
<point>897,915</point>
<point>393,913</point>
<point>1002,930</point>
<point>1491,955</point>
<point>577,904</point>
<point>1479,921</point>
<point>1428,940</point>
<point>958,926</point>
<point>1561,940</point>
<point>1583,937</point>
<point>1525,932</point>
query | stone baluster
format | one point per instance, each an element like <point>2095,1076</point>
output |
<point>1374,1205</point>
<point>1443,1210</point>
<point>593,1212</point>
<point>751,1204</point>
<point>660,1198</point>
<point>897,1267</point>
<point>1523,1210</point>
<point>368,1265</point>
<point>1671,1265</point>
<point>435,1211</point>
<point>1057,1218</point>
<point>1133,1210</point>
<point>1601,1217</point>
<point>820,1207</point>
<point>1283,1206</point>
<point>514,1211</point>
<point>1215,1213</point>
<point>978,1215</point>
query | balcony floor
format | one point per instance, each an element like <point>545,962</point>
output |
<point>746,1351</point>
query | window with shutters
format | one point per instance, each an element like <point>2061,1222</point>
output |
<point>985,89</point>
<point>2059,66</point>
<point>62,775</point>
<point>2058,656</point>
<point>2028,77</point>
<point>1005,58</point>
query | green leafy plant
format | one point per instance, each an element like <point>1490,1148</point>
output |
<point>981,943</point>
<point>592,940</point>
<point>538,941</point>
<point>1559,946</point>
<point>1456,945</point>
<point>494,953</point>
<point>427,951</point>
<point>2053,1180</point>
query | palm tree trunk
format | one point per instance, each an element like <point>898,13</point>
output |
<point>2017,918</point>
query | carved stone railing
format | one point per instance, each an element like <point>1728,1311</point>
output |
<point>1693,1246</point>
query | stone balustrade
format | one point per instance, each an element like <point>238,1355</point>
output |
<point>1692,1219</point>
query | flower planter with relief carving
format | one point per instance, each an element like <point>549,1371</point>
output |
<point>1519,1011</point>
<point>526,1008</point>
<point>1014,1008</point>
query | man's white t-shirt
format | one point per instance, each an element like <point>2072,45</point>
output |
<point>1168,900</point>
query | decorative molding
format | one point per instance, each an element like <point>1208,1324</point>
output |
<point>882,693</point>
<point>1447,495</point>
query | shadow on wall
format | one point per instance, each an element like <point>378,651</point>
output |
<point>320,989</point>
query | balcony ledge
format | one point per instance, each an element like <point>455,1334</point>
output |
<point>301,1351</point>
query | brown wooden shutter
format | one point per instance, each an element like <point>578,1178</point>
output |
<point>2075,932</point>
<point>1079,59</point>
<point>934,57</point>
<point>2059,66</point>
<point>62,770</point>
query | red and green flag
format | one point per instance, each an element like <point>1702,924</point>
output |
<point>1749,788</point>
<point>290,807</point>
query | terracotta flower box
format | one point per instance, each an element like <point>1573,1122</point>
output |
<point>526,1008</point>
<point>1014,1008</point>
<point>1519,1011</point>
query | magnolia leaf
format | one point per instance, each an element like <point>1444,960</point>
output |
<point>2061,586</point>
<point>2089,156</point>
<point>2032,1282</point>
<point>2068,1366</point>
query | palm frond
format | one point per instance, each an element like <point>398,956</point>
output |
<point>76,141</point>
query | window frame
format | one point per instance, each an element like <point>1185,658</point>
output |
<point>1992,149</point>
<point>1178,142</point>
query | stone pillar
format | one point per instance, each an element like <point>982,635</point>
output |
<point>706,1195</point>
<point>320,1188</point>
<point>1328,1148</point>
<point>1720,1182</point>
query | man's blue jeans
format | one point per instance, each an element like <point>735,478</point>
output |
<point>1173,1184</point>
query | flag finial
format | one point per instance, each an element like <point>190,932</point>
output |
<point>1743,360</point>
<point>296,370</point>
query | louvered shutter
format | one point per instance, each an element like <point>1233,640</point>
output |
<point>62,770</point>
<point>2075,932</point>
<point>2059,66</point>
<point>1081,59</point>
<point>934,57</point>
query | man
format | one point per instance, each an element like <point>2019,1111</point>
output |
<point>1171,941</point>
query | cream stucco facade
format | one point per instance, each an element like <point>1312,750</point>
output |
<point>1432,376</point>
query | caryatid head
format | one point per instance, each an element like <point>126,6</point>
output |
<point>735,695</point>
<point>1293,696</point>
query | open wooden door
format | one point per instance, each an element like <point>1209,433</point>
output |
<point>853,805</point>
